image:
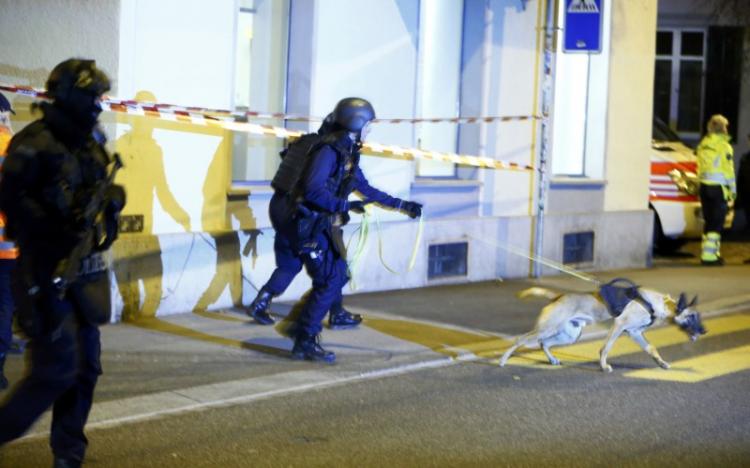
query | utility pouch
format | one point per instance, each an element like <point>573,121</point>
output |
<point>310,226</point>
<point>37,312</point>
<point>91,296</point>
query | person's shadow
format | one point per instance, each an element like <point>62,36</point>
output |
<point>228,261</point>
<point>138,262</point>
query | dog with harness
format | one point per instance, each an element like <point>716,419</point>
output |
<point>633,310</point>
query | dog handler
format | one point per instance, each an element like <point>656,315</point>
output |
<point>718,188</point>
<point>307,214</point>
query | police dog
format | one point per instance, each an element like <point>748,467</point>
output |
<point>561,322</point>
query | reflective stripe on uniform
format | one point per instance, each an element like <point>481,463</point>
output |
<point>716,178</point>
<point>8,249</point>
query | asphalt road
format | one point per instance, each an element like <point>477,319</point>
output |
<point>464,414</point>
<point>418,385</point>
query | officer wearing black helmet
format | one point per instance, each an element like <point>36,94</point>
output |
<point>308,218</point>
<point>62,210</point>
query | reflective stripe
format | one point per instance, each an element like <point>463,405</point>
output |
<point>9,254</point>
<point>716,178</point>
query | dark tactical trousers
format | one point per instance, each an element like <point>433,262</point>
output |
<point>6,305</point>
<point>714,207</point>
<point>65,367</point>
<point>329,275</point>
<point>324,264</point>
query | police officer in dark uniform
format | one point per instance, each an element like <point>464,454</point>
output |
<point>288,267</point>
<point>62,209</point>
<point>308,220</point>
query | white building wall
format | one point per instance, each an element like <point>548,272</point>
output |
<point>631,85</point>
<point>36,36</point>
<point>512,91</point>
<point>190,62</point>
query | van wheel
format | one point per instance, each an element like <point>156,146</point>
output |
<point>662,244</point>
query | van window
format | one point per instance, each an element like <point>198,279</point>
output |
<point>662,132</point>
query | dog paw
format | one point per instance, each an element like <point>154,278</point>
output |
<point>664,364</point>
<point>607,368</point>
<point>556,362</point>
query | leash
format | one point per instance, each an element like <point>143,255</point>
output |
<point>544,261</point>
<point>632,290</point>
<point>362,234</point>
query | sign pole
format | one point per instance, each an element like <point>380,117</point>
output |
<point>544,149</point>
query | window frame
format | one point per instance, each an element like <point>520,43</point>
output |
<point>676,58</point>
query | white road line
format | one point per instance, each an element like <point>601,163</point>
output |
<point>119,412</point>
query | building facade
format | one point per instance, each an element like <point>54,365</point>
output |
<point>197,234</point>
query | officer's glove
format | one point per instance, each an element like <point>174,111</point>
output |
<point>115,202</point>
<point>357,206</point>
<point>411,208</point>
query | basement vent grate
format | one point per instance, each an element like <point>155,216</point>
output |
<point>578,247</point>
<point>445,260</point>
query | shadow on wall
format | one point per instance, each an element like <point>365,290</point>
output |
<point>228,262</point>
<point>139,260</point>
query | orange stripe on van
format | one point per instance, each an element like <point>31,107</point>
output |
<point>663,167</point>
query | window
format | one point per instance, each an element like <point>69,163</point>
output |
<point>260,82</point>
<point>445,260</point>
<point>679,79</point>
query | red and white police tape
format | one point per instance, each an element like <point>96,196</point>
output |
<point>229,120</point>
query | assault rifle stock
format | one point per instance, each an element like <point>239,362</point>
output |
<point>67,269</point>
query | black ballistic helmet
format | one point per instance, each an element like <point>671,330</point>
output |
<point>80,74</point>
<point>353,113</point>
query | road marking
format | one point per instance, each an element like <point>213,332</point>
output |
<point>154,406</point>
<point>707,366</point>
<point>659,337</point>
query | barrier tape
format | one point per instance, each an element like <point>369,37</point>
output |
<point>223,114</point>
<point>489,119</point>
<point>202,118</point>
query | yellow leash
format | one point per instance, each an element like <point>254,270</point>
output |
<point>362,233</point>
<point>415,249</point>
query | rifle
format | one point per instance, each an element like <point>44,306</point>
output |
<point>67,269</point>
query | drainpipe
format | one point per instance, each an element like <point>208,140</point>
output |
<point>544,149</point>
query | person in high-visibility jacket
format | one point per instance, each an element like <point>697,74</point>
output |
<point>718,187</point>
<point>8,253</point>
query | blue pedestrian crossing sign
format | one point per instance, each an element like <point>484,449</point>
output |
<point>583,26</point>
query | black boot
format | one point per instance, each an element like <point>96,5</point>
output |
<point>3,380</point>
<point>341,319</point>
<point>308,347</point>
<point>258,310</point>
<point>65,463</point>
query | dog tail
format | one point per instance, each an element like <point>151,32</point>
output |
<point>539,292</point>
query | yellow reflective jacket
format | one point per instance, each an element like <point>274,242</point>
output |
<point>715,161</point>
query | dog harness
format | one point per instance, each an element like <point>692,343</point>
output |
<point>619,292</point>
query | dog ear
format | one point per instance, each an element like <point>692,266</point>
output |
<point>681,303</point>
<point>694,301</point>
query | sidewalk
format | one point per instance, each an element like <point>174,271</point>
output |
<point>188,362</point>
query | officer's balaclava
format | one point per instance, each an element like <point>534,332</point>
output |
<point>76,87</point>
